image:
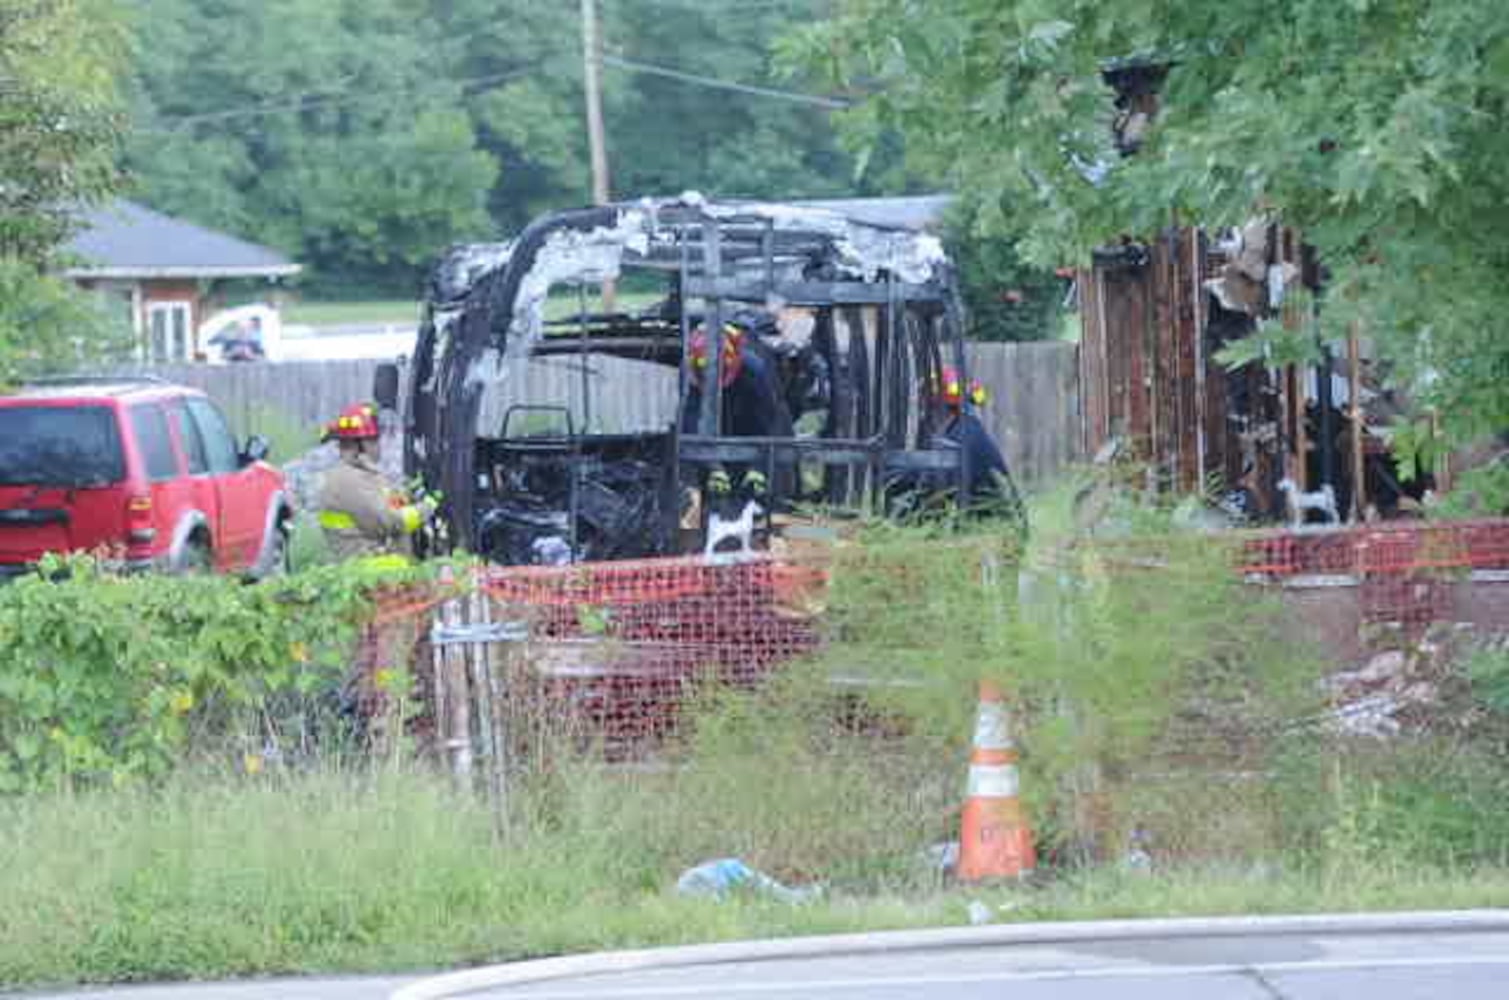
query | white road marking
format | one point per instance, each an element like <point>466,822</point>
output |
<point>1119,972</point>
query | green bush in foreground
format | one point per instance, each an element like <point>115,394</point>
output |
<point>104,679</point>
<point>1142,674</point>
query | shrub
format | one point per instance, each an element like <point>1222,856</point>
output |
<point>105,677</point>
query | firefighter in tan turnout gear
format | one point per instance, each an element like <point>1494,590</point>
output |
<point>361,514</point>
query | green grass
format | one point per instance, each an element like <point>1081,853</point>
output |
<point>565,304</point>
<point>400,312</point>
<point>394,311</point>
<point>351,873</point>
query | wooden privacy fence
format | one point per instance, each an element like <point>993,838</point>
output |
<point>621,395</point>
<point>304,393</point>
<point>1034,404</point>
<point>1033,412</point>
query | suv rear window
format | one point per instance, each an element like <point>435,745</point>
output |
<point>59,446</point>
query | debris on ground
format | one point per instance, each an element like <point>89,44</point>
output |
<point>717,879</point>
<point>1137,860</point>
<point>1407,686</point>
<point>980,913</point>
<point>942,858</point>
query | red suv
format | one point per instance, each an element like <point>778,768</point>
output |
<point>143,471</point>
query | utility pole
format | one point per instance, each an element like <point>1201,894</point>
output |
<point>592,58</point>
<point>1354,393</point>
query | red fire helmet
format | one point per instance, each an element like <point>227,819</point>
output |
<point>951,391</point>
<point>357,422</point>
<point>733,356</point>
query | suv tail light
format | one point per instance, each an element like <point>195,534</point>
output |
<point>139,530</point>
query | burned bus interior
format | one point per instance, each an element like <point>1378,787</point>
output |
<point>571,390</point>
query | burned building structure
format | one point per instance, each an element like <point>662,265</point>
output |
<point>1264,435</point>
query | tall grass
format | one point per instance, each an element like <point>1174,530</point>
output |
<point>395,870</point>
<point>1142,675</point>
<point>348,871</point>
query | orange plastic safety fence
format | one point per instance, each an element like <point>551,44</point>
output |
<point>1405,572</point>
<point>625,645</point>
<point>1398,548</point>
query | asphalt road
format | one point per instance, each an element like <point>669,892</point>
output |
<point>1459,966</point>
<point>1452,956</point>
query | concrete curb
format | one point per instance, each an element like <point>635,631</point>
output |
<point>520,973</point>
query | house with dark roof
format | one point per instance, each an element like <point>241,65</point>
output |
<point>165,273</point>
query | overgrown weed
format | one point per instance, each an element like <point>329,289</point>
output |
<point>360,871</point>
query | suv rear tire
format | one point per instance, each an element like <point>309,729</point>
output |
<point>275,562</point>
<point>195,559</point>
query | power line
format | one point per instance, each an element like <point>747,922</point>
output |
<point>832,103</point>
<point>723,9</point>
<point>327,98</point>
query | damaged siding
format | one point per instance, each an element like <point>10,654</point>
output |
<point>1154,316</point>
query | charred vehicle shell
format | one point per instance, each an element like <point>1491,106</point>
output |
<point>846,315</point>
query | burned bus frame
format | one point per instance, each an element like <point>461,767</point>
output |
<point>886,312</point>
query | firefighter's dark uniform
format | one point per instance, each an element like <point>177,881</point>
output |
<point>983,460</point>
<point>753,406</point>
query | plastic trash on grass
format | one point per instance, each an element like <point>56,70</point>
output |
<point>716,879</point>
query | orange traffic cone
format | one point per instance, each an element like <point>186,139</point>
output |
<point>995,841</point>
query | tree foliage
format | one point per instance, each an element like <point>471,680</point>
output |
<point>59,130</point>
<point>1374,125</point>
<point>47,325</point>
<point>362,136</point>
<point>667,135</point>
<point>59,117</point>
<point>1006,297</point>
<point>331,129</point>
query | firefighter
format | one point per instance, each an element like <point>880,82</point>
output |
<point>987,485</point>
<point>361,514</point>
<point>365,518</point>
<point>986,477</point>
<point>753,406</point>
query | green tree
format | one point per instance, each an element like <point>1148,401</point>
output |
<point>364,136</point>
<point>59,117</point>
<point>1007,298</point>
<point>47,325</point>
<point>1374,125</point>
<point>59,126</point>
<point>330,129</point>
<point>528,111</point>
<point>668,135</point>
